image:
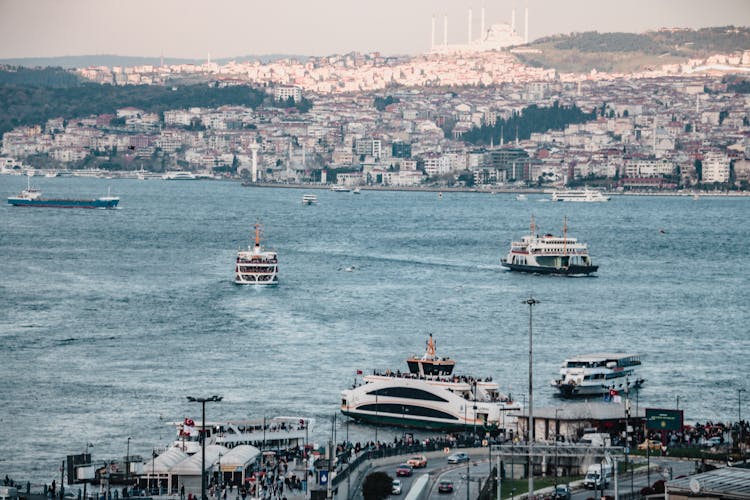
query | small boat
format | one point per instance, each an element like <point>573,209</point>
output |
<point>430,395</point>
<point>549,254</point>
<point>521,197</point>
<point>356,191</point>
<point>32,197</point>
<point>309,199</point>
<point>255,266</point>
<point>582,195</point>
<point>339,189</point>
<point>598,374</point>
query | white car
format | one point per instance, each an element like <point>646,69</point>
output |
<point>396,487</point>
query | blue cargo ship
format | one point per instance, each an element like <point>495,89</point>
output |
<point>32,197</point>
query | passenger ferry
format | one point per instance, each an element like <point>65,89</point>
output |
<point>256,267</point>
<point>429,396</point>
<point>263,433</point>
<point>598,374</point>
<point>587,195</point>
<point>179,175</point>
<point>309,199</point>
<point>549,254</point>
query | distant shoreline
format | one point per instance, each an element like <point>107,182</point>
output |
<point>542,191</point>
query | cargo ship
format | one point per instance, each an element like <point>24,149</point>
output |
<point>32,197</point>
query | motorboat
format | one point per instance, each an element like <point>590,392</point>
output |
<point>598,374</point>
<point>255,266</point>
<point>549,254</point>
<point>309,199</point>
<point>429,395</point>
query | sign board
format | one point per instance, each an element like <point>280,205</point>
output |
<point>663,420</point>
<point>323,477</point>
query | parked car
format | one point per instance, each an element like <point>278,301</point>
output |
<point>459,457</point>
<point>652,444</point>
<point>714,441</point>
<point>445,486</point>
<point>562,492</point>
<point>403,470</point>
<point>396,487</point>
<point>417,461</point>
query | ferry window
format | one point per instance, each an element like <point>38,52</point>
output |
<point>404,410</point>
<point>408,393</point>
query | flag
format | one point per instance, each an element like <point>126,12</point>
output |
<point>359,372</point>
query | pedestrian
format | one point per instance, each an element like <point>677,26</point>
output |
<point>182,492</point>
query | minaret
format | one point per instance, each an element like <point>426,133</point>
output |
<point>697,103</point>
<point>208,59</point>
<point>526,27</point>
<point>303,154</point>
<point>481,26</point>
<point>513,20</point>
<point>254,150</point>
<point>432,38</point>
<point>445,31</point>
<point>469,37</point>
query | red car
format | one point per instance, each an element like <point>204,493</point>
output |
<point>445,486</point>
<point>404,470</point>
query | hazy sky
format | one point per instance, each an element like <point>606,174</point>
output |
<point>224,28</point>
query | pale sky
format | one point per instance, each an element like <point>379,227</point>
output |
<point>225,28</point>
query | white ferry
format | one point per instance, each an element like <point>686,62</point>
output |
<point>309,199</point>
<point>548,254</point>
<point>429,396</point>
<point>597,374</point>
<point>256,267</point>
<point>339,189</point>
<point>263,433</point>
<point>587,195</point>
<point>179,175</point>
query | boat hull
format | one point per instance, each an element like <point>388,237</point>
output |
<point>572,270</point>
<point>412,423</point>
<point>572,391</point>
<point>63,203</point>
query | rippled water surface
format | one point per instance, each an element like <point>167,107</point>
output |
<point>108,319</point>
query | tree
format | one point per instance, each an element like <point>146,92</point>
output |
<point>377,486</point>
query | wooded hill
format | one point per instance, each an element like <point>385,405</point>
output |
<point>629,52</point>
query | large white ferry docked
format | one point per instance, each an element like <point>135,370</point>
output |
<point>430,396</point>
<point>549,254</point>
<point>598,374</point>
<point>587,195</point>
<point>256,267</point>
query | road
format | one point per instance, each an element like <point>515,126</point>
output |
<point>661,469</point>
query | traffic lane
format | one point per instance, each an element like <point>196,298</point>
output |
<point>661,469</point>
<point>457,474</point>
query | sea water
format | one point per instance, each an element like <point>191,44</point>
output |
<point>110,318</point>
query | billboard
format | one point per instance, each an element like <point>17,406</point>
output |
<point>663,420</point>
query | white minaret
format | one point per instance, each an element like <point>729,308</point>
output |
<point>469,37</point>
<point>303,154</point>
<point>432,38</point>
<point>513,20</point>
<point>481,27</point>
<point>445,31</point>
<point>254,150</point>
<point>526,27</point>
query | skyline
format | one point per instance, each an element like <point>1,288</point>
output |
<point>191,29</point>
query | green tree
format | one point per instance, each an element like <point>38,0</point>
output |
<point>377,486</point>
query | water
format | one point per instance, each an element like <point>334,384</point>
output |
<point>109,319</point>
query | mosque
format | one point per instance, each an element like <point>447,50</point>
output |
<point>499,36</point>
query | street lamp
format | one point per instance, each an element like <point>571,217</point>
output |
<point>203,402</point>
<point>557,430</point>
<point>739,405</point>
<point>531,301</point>
<point>127,462</point>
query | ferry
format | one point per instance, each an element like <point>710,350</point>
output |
<point>549,254</point>
<point>339,189</point>
<point>582,195</point>
<point>255,266</point>
<point>270,433</point>
<point>309,199</point>
<point>429,395</point>
<point>32,197</point>
<point>598,374</point>
<point>179,175</point>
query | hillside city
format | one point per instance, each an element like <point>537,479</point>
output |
<point>674,127</point>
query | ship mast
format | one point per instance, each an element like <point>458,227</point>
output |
<point>257,237</point>
<point>565,235</point>
<point>533,227</point>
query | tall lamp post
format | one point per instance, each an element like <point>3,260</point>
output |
<point>557,461</point>
<point>127,462</point>
<point>531,301</point>
<point>203,402</point>
<point>739,412</point>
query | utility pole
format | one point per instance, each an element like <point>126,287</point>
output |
<point>203,402</point>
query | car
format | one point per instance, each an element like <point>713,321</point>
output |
<point>459,457</point>
<point>445,486</point>
<point>714,441</point>
<point>403,470</point>
<point>396,487</point>
<point>562,492</point>
<point>651,444</point>
<point>417,461</point>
